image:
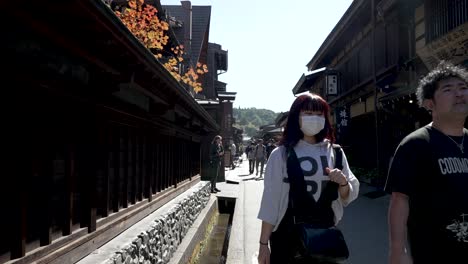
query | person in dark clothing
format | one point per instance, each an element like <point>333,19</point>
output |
<point>270,147</point>
<point>428,212</point>
<point>250,152</point>
<point>216,153</point>
<point>260,158</point>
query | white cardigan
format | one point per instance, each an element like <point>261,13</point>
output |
<point>276,191</point>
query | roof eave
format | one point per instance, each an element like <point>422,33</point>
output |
<point>125,35</point>
<point>298,88</point>
<point>335,33</point>
<point>298,84</point>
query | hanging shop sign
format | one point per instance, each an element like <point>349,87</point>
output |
<point>342,116</point>
<point>332,83</point>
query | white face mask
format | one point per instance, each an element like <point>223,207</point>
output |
<point>312,124</point>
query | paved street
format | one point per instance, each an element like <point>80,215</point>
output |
<point>364,222</point>
<point>365,228</point>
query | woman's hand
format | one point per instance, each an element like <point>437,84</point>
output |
<point>336,175</point>
<point>264,255</point>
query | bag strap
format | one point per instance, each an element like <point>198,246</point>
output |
<point>293,167</point>
<point>338,156</point>
<point>291,159</point>
<point>298,195</point>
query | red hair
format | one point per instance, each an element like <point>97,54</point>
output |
<point>307,102</point>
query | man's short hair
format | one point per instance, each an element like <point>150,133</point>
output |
<point>428,84</point>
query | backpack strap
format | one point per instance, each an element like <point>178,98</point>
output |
<point>338,156</point>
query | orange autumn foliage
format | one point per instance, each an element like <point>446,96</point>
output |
<point>142,20</point>
<point>190,77</point>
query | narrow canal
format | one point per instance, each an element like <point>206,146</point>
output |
<point>215,250</point>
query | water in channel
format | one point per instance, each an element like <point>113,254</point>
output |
<point>215,250</point>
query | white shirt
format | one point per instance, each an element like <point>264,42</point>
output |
<point>233,149</point>
<point>311,157</point>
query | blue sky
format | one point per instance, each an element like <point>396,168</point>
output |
<point>269,44</point>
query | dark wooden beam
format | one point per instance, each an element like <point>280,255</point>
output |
<point>172,163</point>
<point>132,164</point>
<point>117,166</point>
<point>19,223</point>
<point>45,184</point>
<point>141,169</point>
<point>88,173</point>
<point>125,153</point>
<point>69,189</point>
<point>150,165</point>
<point>166,166</point>
<point>106,150</point>
<point>48,32</point>
<point>157,160</point>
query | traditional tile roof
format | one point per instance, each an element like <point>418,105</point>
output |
<point>201,16</point>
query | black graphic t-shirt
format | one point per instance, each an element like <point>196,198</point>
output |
<point>431,169</point>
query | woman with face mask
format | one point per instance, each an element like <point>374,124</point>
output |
<point>309,135</point>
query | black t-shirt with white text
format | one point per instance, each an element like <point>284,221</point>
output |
<point>431,169</point>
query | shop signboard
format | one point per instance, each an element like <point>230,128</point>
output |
<point>452,47</point>
<point>342,116</point>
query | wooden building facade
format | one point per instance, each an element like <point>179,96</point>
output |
<point>369,66</point>
<point>192,30</point>
<point>99,133</point>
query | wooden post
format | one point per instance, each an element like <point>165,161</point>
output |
<point>142,167</point>
<point>88,173</point>
<point>164,157</point>
<point>187,161</point>
<point>45,184</point>
<point>176,158</point>
<point>173,163</point>
<point>95,170</point>
<point>137,166</point>
<point>69,188</point>
<point>161,158</point>
<point>117,166</point>
<point>16,189</point>
<point>124,166</point>
<point>149,167</point>
<point>157,166</point>
<point>132,164</point>
<point>105,145</point>
<point>18,232</point>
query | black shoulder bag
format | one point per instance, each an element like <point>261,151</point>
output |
<point>313,221</point>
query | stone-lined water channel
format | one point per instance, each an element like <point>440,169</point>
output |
<point>215,250</point>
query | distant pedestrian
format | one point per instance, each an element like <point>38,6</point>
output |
<point>250,151</point>
<point>216,153</point>
<point>270,147</point>
<point>260,158</point>
<point>428,177</point>
<point>307,183</point>
<point>233,155</point>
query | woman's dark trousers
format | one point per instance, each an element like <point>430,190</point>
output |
<point>251,166</point>
<point>214,176</point>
